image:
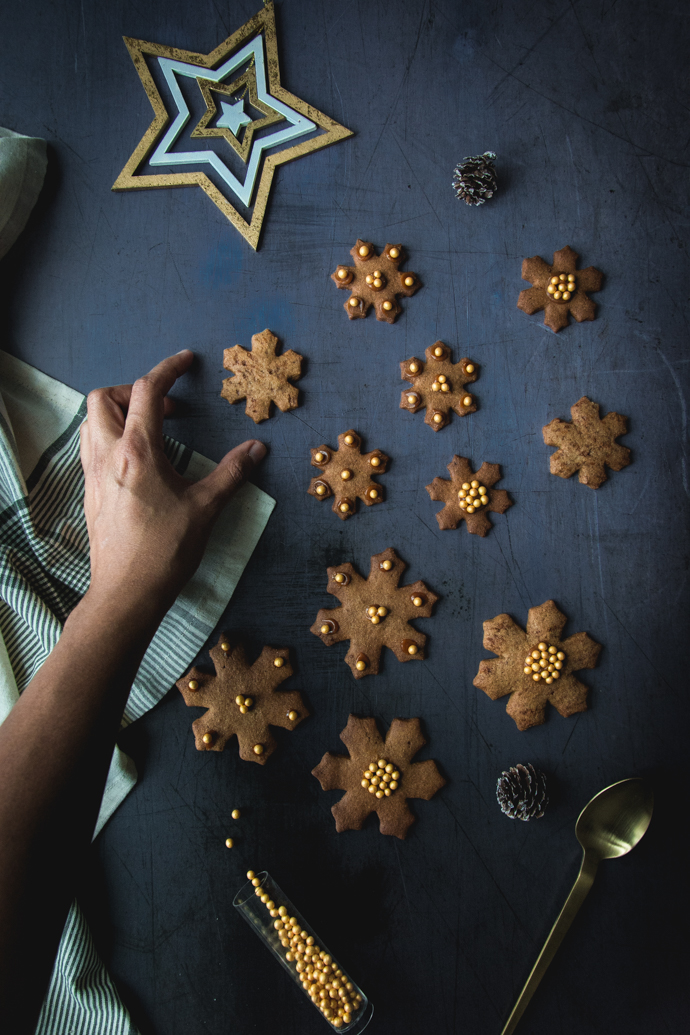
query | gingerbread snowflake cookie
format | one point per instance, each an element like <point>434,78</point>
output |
<point>346,474</point>
<point>374,613</point>
<point>378,775</point>
<point>375,280</point>
<point>469,496</point>
<point>438,385</point>
<point>535,667</point>
<point>262,377</point>
<point>587,444</point>
<point>242,700</point>
<point>559,289</point>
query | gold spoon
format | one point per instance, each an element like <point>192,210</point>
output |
<point>610,825</point>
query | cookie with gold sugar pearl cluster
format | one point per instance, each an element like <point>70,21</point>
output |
<point>378,775</point>
<point>346,474</point>
<point>559,289</point>
<point>469,496</point>
<point>438,385</point>
<point>535,667</point>
<point>375,280</point>
<point>374,613</point>
<point>242,700</point>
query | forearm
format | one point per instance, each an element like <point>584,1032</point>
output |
<point>55,750</point>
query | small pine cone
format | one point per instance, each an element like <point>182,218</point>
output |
<point>521,792</point>
<point>474,179</point>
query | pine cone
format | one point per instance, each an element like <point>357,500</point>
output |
<point>474,179</point>
<point>521,792</point>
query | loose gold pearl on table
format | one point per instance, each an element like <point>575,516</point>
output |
<point>438,351</point>
<point>408,281</point>
<point>382,611</point>
<point>394,252</point>
<point>417,601</point>
<point>339,577</point>
<point>225,646</point>
<point>375,461</point>
<point>235,813</point>
<point>279,662</point>
<point>258,749</point>
<point>321,490</point>
<point>292,715</point>
<point>364,250</point>
<point>387,306</point>
<point>354,302</point>
<point>467,401</point>
<point>470,368</point>
<point>229,842</point>
<point>193,685</point>
<point>207,738</point>
<point>344,507</point>
<point>438,418</point>
<point>387,565</point>
<point>360,666</point>
<point>413,368</point>
<point>412,649</point>
<point>349,439</point>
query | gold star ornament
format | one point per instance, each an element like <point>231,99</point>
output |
<point>240,76</point>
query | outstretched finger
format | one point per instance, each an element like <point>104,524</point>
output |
<point>147,405</point>
<point>231,473</point>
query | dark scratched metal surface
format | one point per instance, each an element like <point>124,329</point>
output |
<point>586,105</point>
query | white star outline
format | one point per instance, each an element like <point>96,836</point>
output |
<point>299,124</point>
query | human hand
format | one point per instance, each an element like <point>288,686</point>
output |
<point>148,527</point>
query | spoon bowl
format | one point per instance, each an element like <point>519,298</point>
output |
<point>614,821</point>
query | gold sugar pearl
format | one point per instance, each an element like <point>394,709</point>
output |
<point>412,649</point>
<point>229,842</point>
<point>193,685</point>
<point>279,662</point>
<point>541,646</point>
<point>438,351</point>
<point>256,882</point>
<point>560,655</point>
<point>552,650</point>
<point>412,399</point>
<point>258,749</point>
<point>394,252</point>
<point>387,306</point>
<point>535,666</point>
<point>417,601</point>
<point>382,763</point>
<point>442,378</point>
<point>462,493</point>
<point>325,629</point>
<point>225,646</point>
<point>408,281</point>
<point>321,490</point>
<point>469,369</point>
<point>554,280</point>
<point>387,565</point>
<point>413,368</point>
<point>470,508</point>
<point>282,911</point>
<point>369,279</point>
<point>571,278</point>
<point>250,874</point>
<point>344,508</point>
<point>373,494</point>
<point>536,677</point>
<point>382,611</point>
<point>558,665</point>
<point>365,783</point>
<point>378,282</point>
<point>550,289</point>
<point>484,500</point>
<point>342,274</point>
<point>527,670</point>
<point>375,620</point>
<point>239,699</point>
<point>566,296</point>
<point>378,273</point>
<point>320,457</point>
<point>394,783</point>
<point>445,388</point>
<point>364,250</point>
<point>349,439</point>
<point>346,475</point>
<point>375,461</point>
<point>235,813</point>
<point>466,485</point>
<point>360,666</point>
<point>339,577</point>
<point>482,490</point>
<point>473,492</point>
<point>371,611</point>
<point>549,679</point>
<point>438,418</point>
<point>556,294</point>
<point>372,789</point>
<point>562,276</point>
<point>379,794</point>
<point>207,738</point>
<point>435,386</point>
<point>463,504</point>
<point>474,484</point>
<point>467,401</point>
<point>292,715</point>
<point>389,768</point>
<point>354,302</point>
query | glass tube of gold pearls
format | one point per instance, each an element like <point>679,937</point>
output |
<point>302,953</point>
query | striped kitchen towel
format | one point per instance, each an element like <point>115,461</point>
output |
<point>44,572</point>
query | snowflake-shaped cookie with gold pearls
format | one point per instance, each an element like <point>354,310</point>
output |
<point>346,474</point>
<point>559,289</point>
<point>375,280</point>
<point>438,385</point>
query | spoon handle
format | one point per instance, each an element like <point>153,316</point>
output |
<point>578,893</point>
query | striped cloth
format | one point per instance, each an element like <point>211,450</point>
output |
<point>44,572</point>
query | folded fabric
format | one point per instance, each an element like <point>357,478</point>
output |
<point>44,572</point>
<point>22,171</point>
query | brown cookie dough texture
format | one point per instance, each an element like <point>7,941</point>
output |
<point>587,444</point>
<point>469,496</point>
<point>536,667</point>
<point>261,377</point>
<point>375,613</point>
<point>438,385</point>
<point>375,280</point>
<point>367,794</point>
<point>347,474</point>
<point>242,700</point>
<point>559,289</point>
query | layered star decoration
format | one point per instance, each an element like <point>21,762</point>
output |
<point>242,70</point>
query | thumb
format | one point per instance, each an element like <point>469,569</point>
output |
<point>230,474</point>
